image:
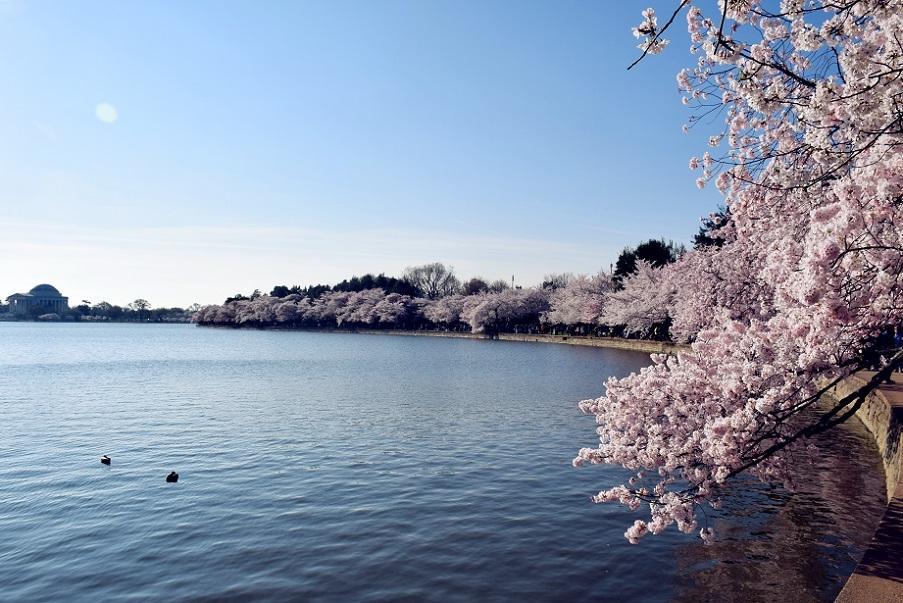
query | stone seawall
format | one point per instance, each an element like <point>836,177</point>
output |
<point>881,413</point>
<point>635,345</point>
<point>879,575</point>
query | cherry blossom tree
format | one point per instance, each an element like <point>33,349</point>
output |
<point>258,311</point>
<point>289,311</point>
<point>643,302</point>
<point>810,163</point>
<point>491,313</point>
<point>446,311</point>
<point>579,301</point>
<point>707,278</point>
<point>360,307</point>
<point>395,309</point>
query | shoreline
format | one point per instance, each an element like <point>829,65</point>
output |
<point>635,345</point>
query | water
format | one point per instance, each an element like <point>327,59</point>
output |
<point>338,467</point>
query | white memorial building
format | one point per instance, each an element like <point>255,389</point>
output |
<point>45,297</point>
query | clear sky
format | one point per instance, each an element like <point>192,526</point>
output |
<point>185,151</point>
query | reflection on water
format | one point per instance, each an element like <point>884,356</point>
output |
<point>336,467</point>
<point>773,543</point>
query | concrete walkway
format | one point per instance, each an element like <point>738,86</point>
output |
<point>879,576</point>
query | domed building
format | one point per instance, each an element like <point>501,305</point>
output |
<point>44,297</point>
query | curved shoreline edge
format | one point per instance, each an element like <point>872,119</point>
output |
<point>878,577</point>
<point>634,345</point>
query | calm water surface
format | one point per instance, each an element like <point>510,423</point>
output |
<point>336,467</point>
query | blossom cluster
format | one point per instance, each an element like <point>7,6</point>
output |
<point>810,161</point>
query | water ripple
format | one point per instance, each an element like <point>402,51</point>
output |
<point>336,468</point>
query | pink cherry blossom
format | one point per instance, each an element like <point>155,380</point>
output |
<point>813,177</point>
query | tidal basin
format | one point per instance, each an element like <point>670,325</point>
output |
<point>337,467</point>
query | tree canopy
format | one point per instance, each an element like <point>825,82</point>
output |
<point>433,280</point>
<point>655,252</point>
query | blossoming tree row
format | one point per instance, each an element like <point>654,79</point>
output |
<point>580,304</point>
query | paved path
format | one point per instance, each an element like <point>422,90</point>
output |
<point>879,576</point>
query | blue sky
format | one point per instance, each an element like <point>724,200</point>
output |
<point>247,144</point>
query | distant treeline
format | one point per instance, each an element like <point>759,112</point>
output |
<point>432,297</point>
<point>139,310</point>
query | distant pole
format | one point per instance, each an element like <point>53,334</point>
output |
<point>512,281</point>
